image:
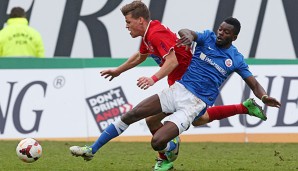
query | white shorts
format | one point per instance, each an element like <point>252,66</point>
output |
<point>184,105</point>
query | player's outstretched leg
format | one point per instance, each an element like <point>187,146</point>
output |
<point>112,131</point>
<point>254,109</point>
<point>85,152</point>
<point>249,106</point>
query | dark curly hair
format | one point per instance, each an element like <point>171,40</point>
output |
<point>234,22</point>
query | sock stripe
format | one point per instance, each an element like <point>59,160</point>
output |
<point>120,126</point>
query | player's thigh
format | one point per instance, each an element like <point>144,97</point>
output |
<point>166,133</point>
<point>156,118</point>
<point>148,107</point>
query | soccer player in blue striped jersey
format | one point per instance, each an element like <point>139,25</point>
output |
<point>214,60</point>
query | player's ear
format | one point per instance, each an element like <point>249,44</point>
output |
<point>141,20</point>
<point>235,37</point>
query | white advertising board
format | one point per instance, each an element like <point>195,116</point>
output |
<point>70,103</point>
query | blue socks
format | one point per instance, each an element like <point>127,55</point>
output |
<point>171,145</point>
<point>112,131</point>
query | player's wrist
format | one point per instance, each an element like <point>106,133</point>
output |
<point>265,96</point>
<point>154,78</point>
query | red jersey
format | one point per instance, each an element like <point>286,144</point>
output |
<point>158,41</point>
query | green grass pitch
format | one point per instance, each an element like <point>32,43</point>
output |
<point>122,156</point>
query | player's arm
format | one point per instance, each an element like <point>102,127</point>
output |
<point>186,37</point>
<point>131,62</point>
<point>259,92</point>
<point>169,65</point>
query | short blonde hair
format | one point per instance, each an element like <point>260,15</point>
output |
<point>137,9</point>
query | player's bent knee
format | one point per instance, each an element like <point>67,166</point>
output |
<point>158,144</point>
<point>130,117</point>
<point>149,120</point>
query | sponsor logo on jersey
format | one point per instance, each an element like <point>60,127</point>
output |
<point>229,62</point>
<point>212,63</point>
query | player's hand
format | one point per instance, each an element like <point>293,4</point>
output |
<point>270,101</point>
<point>145,82</point>
<point>112,73</point>
<point>186,39</point>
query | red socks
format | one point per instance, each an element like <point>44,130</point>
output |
<point>221,112</point>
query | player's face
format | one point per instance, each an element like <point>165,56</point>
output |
<point>225,35</point>
<point>134,26</point>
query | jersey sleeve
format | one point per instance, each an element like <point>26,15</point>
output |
<point>202,36</point>
<point>243,69</point>
<point>162,44</point>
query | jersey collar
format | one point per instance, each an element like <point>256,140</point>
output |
<point>22,21</point>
